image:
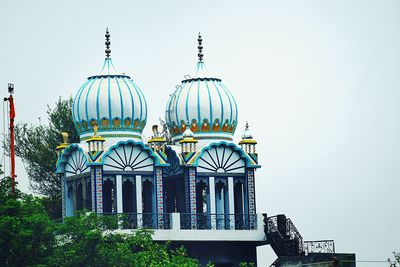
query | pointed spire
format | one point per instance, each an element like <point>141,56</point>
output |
<point>200,47</point>
<point>107,43</point>
<point>247,134</point>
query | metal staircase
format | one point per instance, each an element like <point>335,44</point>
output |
<point>283,236</point>
<point>286,240</point>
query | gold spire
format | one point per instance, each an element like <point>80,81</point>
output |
<point>95,129</point>
<point>65,137</point>
<point>64,144</point>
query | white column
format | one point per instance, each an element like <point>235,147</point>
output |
<point>69,209</point>
<point>176,221</point>
<point>119,194</point>
<point>84,193</point>
<point>211,185</point>
<point>231,203</point>
<point>74,196</point>
<point>139,208</point>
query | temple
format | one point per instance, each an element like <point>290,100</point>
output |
<point>189,182</point>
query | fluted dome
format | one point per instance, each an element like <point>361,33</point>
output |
<point>204,103</point>
<point>112,101</point>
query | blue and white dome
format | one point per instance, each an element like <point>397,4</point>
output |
<point>113,102</point>
<point>205,104</point>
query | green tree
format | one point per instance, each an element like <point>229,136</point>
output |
<point>26,231</point>
<point>396,259</point>
<point>85,241</point>
<point>35,145</point>
<point>28,237</point>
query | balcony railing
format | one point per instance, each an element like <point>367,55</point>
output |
<point>200,221</point>
<point>137,220</point>
<point>205,221</point>
<point>320,246</point>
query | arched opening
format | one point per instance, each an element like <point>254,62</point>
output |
<point>201,205</point>
<point>201,197</point>
<point>239,205</point>
<point>69,207</point>
<point>171,194</point>
<point>128,197</point>
<point>174,189</point>
<point>180,194</point>
<point>221,205</point>
<point>79,199</point>
<point>147,199</point>
<point>88,201</point>
<point>108,196</point>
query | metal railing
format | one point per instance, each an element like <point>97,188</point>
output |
<point>273,225</point>
<point>137,220</point>
<point>294,234</point>
<point>283,229</point>
<point>205,221</point>
<point>320,246</point>
<point>200,221</point>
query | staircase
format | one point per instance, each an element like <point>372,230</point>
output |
<point>283,236</point>
<point>286,240</point>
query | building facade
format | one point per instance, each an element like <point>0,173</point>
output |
<point>190,182</point>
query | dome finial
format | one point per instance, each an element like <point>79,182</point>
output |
<point>107,43</point>
<point>247,134</point>
<point>200,47</point>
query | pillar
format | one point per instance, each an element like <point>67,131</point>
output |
<point>83,193</point>
<point>119,193</point>
<point>159,198</point>
<point>139,208</point>
<point>250,188</point>
<point>63,196</point>
<point>211,186</point>
<point>251,198</point>
<point>98,176</point>
<point>93,185</point>
<point>231,203</point>
<point>176,221</point>
<point>192,197</point>
<point>69,205</point>
<point>74,195</point>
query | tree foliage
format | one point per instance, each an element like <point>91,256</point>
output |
<point>84,241</point>
<point>396,259</point>
<point>28,237</point>
<point>35,145</point>
<point>26,231</point>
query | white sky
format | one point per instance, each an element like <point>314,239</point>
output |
<point>318,82</point>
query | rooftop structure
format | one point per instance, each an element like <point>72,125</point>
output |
<point>190,183</point>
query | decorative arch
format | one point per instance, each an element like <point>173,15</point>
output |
<point>130,156</point>
<point>174,167</point>
<point>222,158</point>
<point>72,161</point>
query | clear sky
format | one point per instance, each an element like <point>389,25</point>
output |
<point>318,82</point>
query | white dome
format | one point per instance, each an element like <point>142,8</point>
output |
<point>113,101</point>
<point>206,104</point>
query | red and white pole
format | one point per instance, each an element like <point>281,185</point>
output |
<point>10,100</point>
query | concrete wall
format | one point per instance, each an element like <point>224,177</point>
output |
<point>222,254</point>
<point>319,260</point>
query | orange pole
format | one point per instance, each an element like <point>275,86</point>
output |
<point>12,140</point>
